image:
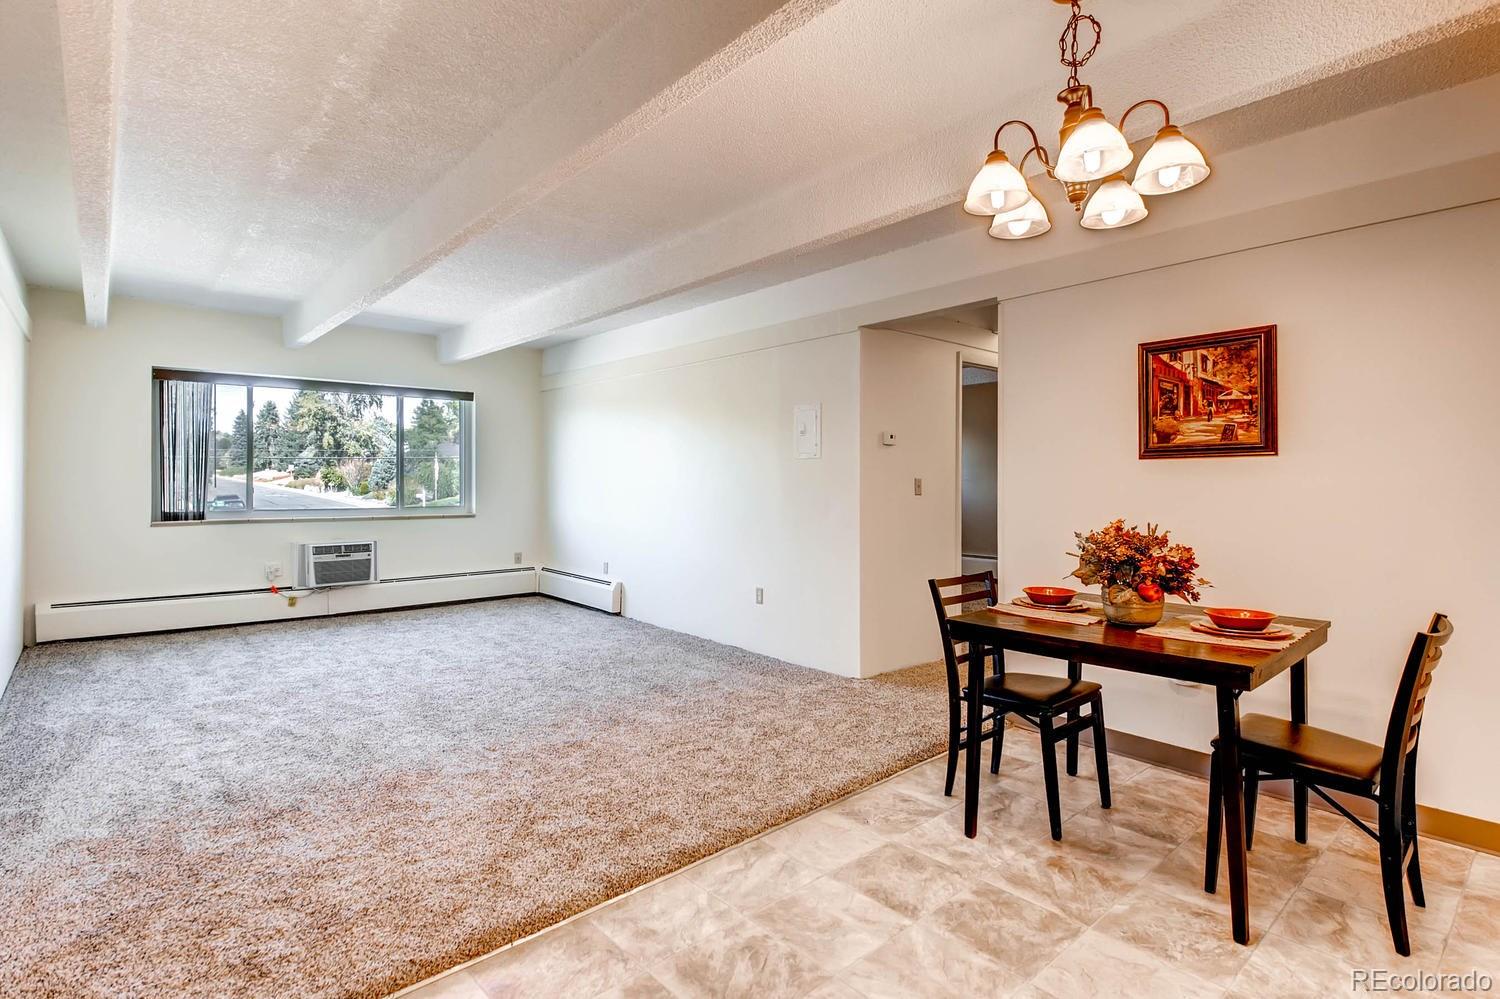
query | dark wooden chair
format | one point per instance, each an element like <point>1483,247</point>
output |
<point>1038,699</point>
<point>1315,758</point>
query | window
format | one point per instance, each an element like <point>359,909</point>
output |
<point>247,447</point>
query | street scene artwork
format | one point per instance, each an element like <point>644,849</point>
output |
<point>1209,395</point>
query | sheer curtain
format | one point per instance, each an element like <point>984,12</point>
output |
<point>185,432</point>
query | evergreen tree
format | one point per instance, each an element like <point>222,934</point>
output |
<point>239,440</point>
<point>432,423</point>
<point>267,436</point>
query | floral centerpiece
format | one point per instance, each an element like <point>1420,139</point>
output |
<point>1135,571</point>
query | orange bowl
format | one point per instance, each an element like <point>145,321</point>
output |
<point>1239,619</point>
<point>1051,596</point>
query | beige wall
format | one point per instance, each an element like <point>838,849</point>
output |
<point>13,351</point>
<point>1379,510</point>
<point>89,489</point>
<point>679,471</point>
<point>909,386</point>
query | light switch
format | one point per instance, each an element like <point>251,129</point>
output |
<point>807,430</point>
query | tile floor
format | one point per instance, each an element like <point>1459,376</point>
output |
<point>881,895</point>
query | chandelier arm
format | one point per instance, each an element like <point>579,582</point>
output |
<point>1016,121</point>
<point>1165,113</point>
<point>1041,154</point>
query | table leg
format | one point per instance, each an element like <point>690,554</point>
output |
<point>1299,716</point>
<point>1233,784</point>
<point>971,752</point>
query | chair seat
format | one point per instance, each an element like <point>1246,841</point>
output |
<point>1034,688</point>
<point>1280,741</point>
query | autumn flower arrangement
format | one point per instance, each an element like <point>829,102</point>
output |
<point>1134,570</point>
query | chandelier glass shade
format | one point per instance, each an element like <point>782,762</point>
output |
<point>1028,220</point>
<point>1114,205</point>
<point>1092,157</point>
<point>998,187</point>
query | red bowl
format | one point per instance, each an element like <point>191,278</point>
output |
<point>1239,619</point>
<point>1051,596</point>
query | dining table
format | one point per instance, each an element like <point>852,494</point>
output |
<point>1230,669</point>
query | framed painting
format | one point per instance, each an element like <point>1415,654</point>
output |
<point>1210,395</point>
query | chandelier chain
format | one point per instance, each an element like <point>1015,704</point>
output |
<point>1067,44</point>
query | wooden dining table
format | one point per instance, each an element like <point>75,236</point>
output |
<point>1229,670</point>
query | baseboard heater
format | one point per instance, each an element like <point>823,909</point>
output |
<point>137,615</point>
<point>601,594</point>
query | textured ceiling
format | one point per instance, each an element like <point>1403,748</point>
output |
<point>527,171</point>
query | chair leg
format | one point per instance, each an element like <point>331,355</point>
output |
<point>953,710</point>
<point>1299,811</point>
<point>999,746</point>
<point>1215,825</point>
<point>1073,746</point>
<point>1391,877</point>
<point>1101,752</point>
<point>1252,795</point>
<point>1409,832</point>
<point>1049,773</point>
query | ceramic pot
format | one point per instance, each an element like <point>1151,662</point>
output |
<point>1125,608</point>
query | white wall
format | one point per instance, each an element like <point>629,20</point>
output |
<point>909,385</point>
<point>680,473</point>
<point>1379,510</point>
<point>89,488</point>
<point>14,322</point>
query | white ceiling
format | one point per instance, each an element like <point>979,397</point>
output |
<point>527,171</point>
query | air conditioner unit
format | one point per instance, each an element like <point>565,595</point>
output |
<point>342,563</point>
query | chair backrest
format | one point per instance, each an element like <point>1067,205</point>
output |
<point>975,587</point>
<point>1405,727</point>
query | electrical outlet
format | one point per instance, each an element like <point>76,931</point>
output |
<point>518,558</point>
<point>273,571</point>
<point>760,595</point>
<point>606,568</point>
<point>916,487</point>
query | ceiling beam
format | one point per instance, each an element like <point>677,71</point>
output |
<point>91,61</point>
<point>649,65</point>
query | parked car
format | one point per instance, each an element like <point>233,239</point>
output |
<point>226,501</point>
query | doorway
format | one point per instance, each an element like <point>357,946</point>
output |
<point>979,450</point>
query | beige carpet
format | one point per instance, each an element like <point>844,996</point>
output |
<point>346,806</point>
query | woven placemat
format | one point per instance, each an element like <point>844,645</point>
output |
<point>1061,617</point>
<point>1181,629</point>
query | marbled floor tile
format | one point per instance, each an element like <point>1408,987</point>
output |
<point>1464,954</point>
<point>748,964</point>
<point>751,875</point>
<point>1094,841</point>
<point>833,990</point>
<point>1076,794</point>
<point>1357,879</point>
<point>454,985</point>
<point>922,961</point>
<point>1476,931</point>
<point>1442,863</point>
<point>1484,875</point>
<point>1102,967</point>
<point>1121,768</point>
<point>1277,867</point>
<point>1354,934</point>
<point>642,986</point>
<point>1063,883</point>
<point>903,879</point>
<point>1016,933</point>
<point>1143,811</point>
<point>1191,937</point>
<point>576,955</point>
<point>661,918</point>
<point>830,922</point>
<point>889,811</point>
<point>823,841</point>
<point>1276,816</point>
<point>1287,970</point>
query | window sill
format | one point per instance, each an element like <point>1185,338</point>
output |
<point>314,518</point>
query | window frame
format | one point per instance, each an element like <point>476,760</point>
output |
<point>466,433</point>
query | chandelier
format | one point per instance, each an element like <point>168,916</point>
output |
<point>1092,152</point>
